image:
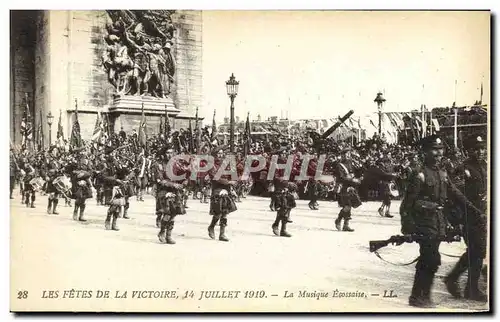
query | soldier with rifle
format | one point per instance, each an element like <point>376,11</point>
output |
<point>422,214</point>
<point>475,224</point>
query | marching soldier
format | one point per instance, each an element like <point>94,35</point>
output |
<point>29,191</point>
<point>169,198</point>
<point>53,171</point>
<point>286,202</point>
<point>475,226</point>
<point>13,168</point>
<point>143,175</point>
<point>221,203</point>
<point>312,188</point>
<point>349,197</point>
<point>386,174</point>
<point>422,213</point>
<point>81,186</point>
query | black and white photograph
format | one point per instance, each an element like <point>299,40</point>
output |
<point>205,161</point>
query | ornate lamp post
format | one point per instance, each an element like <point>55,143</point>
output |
<point>50,118</point>
<point>232,90</point>
<point>380,101</point>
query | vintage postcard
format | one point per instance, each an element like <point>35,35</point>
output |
<point>249,161</point>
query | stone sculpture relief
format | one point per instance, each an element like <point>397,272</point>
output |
<point>138,57</point>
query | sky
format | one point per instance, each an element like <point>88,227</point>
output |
<point>305,64</point>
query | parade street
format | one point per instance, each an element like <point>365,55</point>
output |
<point>55,253</point>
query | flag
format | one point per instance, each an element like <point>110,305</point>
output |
<point>76,137</point>
<point>98,129</point>
<point>213,135</point>
<point>60,130</point>
<point>436,124</point>
<point>142,129</point>
<point>26,127</point>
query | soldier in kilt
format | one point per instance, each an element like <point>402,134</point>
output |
<point>169,198</point>
<point>348,197</point>
<point>53,172</point>
<point>113,193</point>
<point>31,172</point>
<point>81,186</point>
<point>221,203</point>
<point>286,204</point>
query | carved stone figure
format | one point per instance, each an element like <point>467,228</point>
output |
<point>138,56</point>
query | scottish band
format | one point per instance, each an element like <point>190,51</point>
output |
<point>220,179</point>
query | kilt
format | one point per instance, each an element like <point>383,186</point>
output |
<point>221,205</point>
<point>351,199</point>
<point>81,192</point>
<point>170,206</point>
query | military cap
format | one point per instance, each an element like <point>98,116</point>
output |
<point>431,142</point>
<point>475,142</point>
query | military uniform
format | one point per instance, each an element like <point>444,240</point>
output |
<point>13,172</point>
<point>348,196</point>
<point>81,187</point>
<point>475,225</point>
<point>422,214</point>
<point>53,172</point>
<point>31,172</point>
<point>169,199</point>
<point>221,203</point>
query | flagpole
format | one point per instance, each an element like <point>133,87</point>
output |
<point>455,130</point>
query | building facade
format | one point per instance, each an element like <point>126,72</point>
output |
<point>60,60</point>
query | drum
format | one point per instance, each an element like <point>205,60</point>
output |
<point>37,183</point>
<point>393,189</point>
<point>62,184</point>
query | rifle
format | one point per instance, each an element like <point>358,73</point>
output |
<point>451,236</point>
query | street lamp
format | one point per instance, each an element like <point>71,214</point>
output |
<point>232,90</point>
<point>380,101</point>
<point>50,118</point>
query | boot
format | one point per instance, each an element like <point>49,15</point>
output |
<point>381,211</point>
<point>388,215</point>
<point>33,201</point>
<point>283,232</point>
<point>54,206</point>
<point>428,280</point>
<point>82,210</point>
<point>169,233</point>
<point>107,223</point>
<point>211,227</point>
<point>161,234</point>
<point>417,298</point>
<point>222,235</point>
<point>114,226</point>
<point>451,280</point>
<point>158,221</point>
<point>275,226</point>
<point>75,212</point>
<point>338,223</point>
<point>346,226</point>
<point>310,204</point>
<point>472,291</point>
<point>49,207</point>
<point>125,214</point>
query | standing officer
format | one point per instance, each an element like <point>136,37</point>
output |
<point>475,226</point>
<point>422,214</point>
